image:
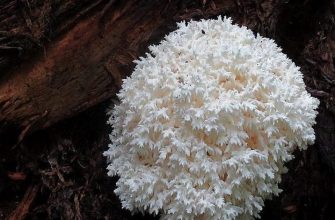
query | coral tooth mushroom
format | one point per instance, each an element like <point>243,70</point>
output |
<point>206,123</point>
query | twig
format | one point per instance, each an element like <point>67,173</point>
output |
<point>22,209</point>
<point>10,48</point>
<point>317,93</point>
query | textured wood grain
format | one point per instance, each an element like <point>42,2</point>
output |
<point>85,65</point>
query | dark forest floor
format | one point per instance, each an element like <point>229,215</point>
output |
<point>65,162</point>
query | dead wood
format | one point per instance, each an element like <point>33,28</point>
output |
<point>58,58</point>
<point>85,65</point>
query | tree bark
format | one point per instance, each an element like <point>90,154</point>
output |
<point>85,65</point>
<point>58,58</point>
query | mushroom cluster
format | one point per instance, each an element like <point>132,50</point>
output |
<point>206,122</point>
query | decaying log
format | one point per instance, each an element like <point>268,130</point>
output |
<point>27,25</point>
<point>85,65</point>
<point>79,51</point>
<point>60,57</point>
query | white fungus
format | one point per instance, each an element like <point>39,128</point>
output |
<point>206,122</point>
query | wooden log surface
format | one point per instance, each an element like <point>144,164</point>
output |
<point>78,58</point>
<point>60,57</point>
<point>85,65</point>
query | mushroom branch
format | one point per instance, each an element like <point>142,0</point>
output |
<point>85,63</point>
